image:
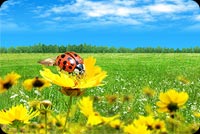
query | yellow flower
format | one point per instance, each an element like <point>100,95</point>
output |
<point>77,129</point>
<point>131,129</point>
<point>36,82</point>
<point>86,106</point>
<point>171,100</point>
<point>117,124</point>
<point>183,79</point>
<point>148,91</point>
<point>9,81</point>
<point>58,121</point>
<point>146,121</point>
<point>196,114</point>
<point>18,113</point>
<point>92,77</point>
<point>159,125</point>
<point>107,120</point>
<point>94,118</point>
<point>150,123</point>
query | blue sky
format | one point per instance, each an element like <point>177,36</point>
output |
<point>120,23</point>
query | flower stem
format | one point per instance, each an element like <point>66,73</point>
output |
<point>45,121</point>
<point>18,129</point>
<point>68,111</point>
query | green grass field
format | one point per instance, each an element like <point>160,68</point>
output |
<point>127,73</point>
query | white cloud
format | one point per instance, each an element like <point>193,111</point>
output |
<point>197,17</point>
<point>120,11</point>
<point>162,8</point>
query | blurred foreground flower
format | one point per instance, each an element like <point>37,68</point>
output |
<point>17,115</point>
<point>72,84</point>
<point>145,125</point>
<point>36,82</point>
<point>197,114</point>
<point>171,101</point>
<point>94,118</point>
<point>116,124</point>
<point>9,81</point>
<point>131,129</point>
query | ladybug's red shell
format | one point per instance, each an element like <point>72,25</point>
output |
<point>77,58</point>
<point>69,61</point>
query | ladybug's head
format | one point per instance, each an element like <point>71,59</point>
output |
<point>79,69</point>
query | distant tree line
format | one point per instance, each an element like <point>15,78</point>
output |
<point>85,48</point>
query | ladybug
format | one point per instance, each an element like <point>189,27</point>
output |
<point>70,62</point>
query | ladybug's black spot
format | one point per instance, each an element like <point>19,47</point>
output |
<point>59,59</point>
<point>75,55</point>
<point>64,62</point>
<point>7,85</point>
<point>64,67</point>
<point>58,63</point>
<point>70,67</point>
<point>63,55</point>
<point>72,64</point>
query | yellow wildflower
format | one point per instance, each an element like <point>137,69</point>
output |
<point>58,121</point>
<point>183,79</point>
<point>159,125</point>
<point>92,77</point>
<point>36,82</point>
<point>9,81</point>
<point>131,129</point>
<point>117,124</point>
<point>17,113</point>
<point>197,114</point>
<point>86,106</point>
<point>94,118</point>
<point>148,91</point>
<point>171,100</point>
<point>147,121</point>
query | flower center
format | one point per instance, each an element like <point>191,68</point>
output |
<point>149,127</point>
<point>58,124</point>
<point>7,85</point>
<point>172,107</point>
<point>38,83</point>
<point>71,92</point>
<point>158,126</point>
<point>117,127</point>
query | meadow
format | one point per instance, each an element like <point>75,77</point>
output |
<point>128,74</point>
